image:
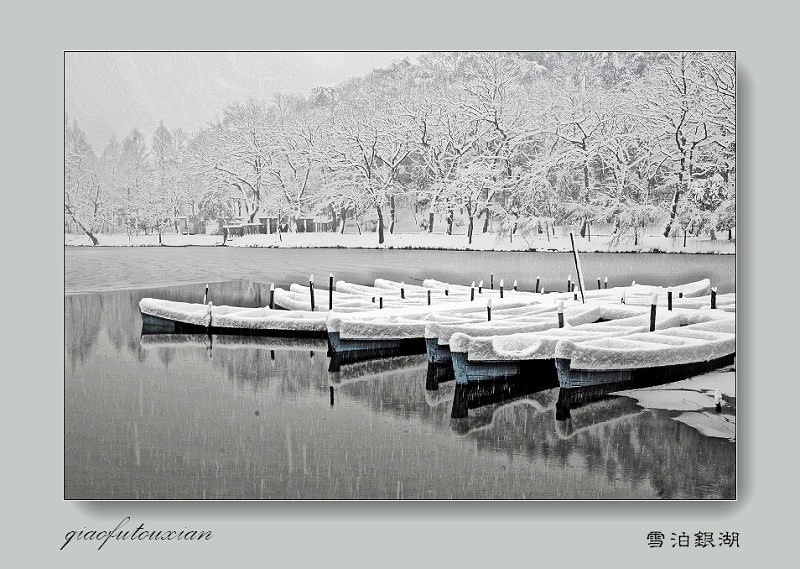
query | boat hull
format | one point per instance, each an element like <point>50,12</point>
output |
<point>157,325</point>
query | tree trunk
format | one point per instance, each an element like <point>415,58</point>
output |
<point>469,229</point>
<point>430,222</point>
<point>392,214</point>
<point>343,219</point>
<point>334,221</point>
<point>380,224</point>
<point>450,217</point>
<point>486,220</point>
<point>676,197</point>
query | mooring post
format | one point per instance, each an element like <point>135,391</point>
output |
<point>605,284</point>
<point>575,294</point>
<point>717,400</point>
<point>598,284</point>
<point>653,305</point>
<point>537,286</point>
<point>480,287</point>
<point>669,300</point>
<point>331,396</point>
<point>447,289</point>
<point>402,289</point>
<point>272,360</point>
<point>429,297</point>
<point>205,296</point>
<point>272,296</point>
<point>501,288</point>
<point>330,291</point>
<point>561,314</point>
<point>680,294</point>
<point>489,310</point>
<point>380,302</point>
<point>472,291</point>
<point>515,284</point>
<point>569,283</point>
<point>623,297</point>
<point>208,320</point>
<point>713,297</point>
<point>491,281</point>
<point>311,288</point>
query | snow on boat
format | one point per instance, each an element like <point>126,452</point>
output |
<point>646,359</point>
<point>171,317</point>
<point>401,331</point>
<point>514,364</point>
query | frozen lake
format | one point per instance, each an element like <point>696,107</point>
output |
<point>193,417</point>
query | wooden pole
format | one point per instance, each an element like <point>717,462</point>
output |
<point>480,287</point>
<point>330,291</point>
<point>447,290</point>
<point>402,289</point>
<point>429,297</point>
<point>669,300</point>
<point>605,283</point>
<point>598,284</point>
<point>578,267</point>
<point>472,291</point>
<point>653,305</point>
<point>205,296</point>
<point>515,284</point>
<point>623,297</point>
<point>713,297</point>
<point>489,310</point>
<point>561,314</point>
<point>569,283</point>
<point>272,296</point>
<point>311,288</point>
<point>501,288</point>
<point>491,280</point>
<point>380,302</point>
<point>537,285</point>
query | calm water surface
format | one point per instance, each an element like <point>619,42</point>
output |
<point>193,417</point>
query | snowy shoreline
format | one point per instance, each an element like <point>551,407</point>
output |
<point>414,241</point>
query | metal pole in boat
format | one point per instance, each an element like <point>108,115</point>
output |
<point>537,286</point>
<point>501,288</point>
<point>311,288</point>
<point>561,314</point>
<point>402,289</point>
<point>480,287</point>
<point>330,291</point>
<point>205,296</point>
<point>472,291</point>
<point>491,280</point>
<point>713,297</point>
<point>577,267</point>
<point>272,296</point>
<point>489,310</point>
<point>653,305</point>
<point>669,300</point>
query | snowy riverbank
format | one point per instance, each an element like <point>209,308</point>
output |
<point>480,242</point>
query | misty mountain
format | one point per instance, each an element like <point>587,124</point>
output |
<point>109,93</point>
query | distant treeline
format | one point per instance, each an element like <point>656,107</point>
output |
<point>528,140</point>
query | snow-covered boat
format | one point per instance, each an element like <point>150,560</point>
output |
<point>171,317</point>
<point>400,331</point>
<point>520,362</point>
<point>646,359</point>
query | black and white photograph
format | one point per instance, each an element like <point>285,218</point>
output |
<point>400,275</point>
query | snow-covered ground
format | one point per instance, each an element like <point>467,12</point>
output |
<point>420,240</point>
